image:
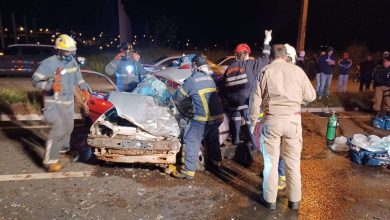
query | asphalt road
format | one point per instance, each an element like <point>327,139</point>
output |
<point>333,186</point>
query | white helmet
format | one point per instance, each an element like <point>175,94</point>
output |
<point>291,52</point>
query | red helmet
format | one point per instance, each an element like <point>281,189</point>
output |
<point>242,48</point>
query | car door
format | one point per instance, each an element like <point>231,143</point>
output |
<point>7,61</point>
<point>29,59</point>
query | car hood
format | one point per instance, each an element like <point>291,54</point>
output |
<point>143,112</point>
<point>175,74</point>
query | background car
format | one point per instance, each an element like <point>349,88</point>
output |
<point>161,63</point>
<point>23,59</point>
<point>174,76</point>
<point>225,61</point>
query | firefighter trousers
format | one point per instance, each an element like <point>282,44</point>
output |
<point>236,127</point>
<point>277,129</point>
<point>194,133</point>
<point>59,116</point>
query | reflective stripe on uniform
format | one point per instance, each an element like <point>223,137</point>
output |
<point>238,82</point>
<point>47,160</point>
<point>182,91</point>
<point>241,107</point>
<point>39,75</point>
<point>210,118</point>
<point>232,78</point>
<point>59,101</point>
<point>236,118</point>
<point>266,51</point>
<point>71,69</point>
<point>182,155</point>
<point>81,81</point>
<point>43,85</point>
<point>188,173</point>
<point>202,93</point>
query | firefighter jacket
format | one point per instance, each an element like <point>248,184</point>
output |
<point>127,73</point>
<point>201,90</point>
<point>281,90</point>
<point>238,80</point>
<point>43,78</point>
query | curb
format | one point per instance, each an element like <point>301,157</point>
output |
<point>37,117</point>
<point>30,117</point>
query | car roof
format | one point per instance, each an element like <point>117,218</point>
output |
<point>30,45</point>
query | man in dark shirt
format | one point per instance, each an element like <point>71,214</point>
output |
<point>326,64</point>
<point>366,70</point>
<point>382,89</point>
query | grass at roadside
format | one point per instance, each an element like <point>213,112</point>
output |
<point>348,100</point>
<point>19,101</point>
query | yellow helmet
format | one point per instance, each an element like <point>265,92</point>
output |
<point>65,42</point>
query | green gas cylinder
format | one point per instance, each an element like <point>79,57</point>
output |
<point>333,123</point>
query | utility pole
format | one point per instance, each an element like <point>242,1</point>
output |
<point>124,24</point>
<point>2,33</point>
<point>302,25</point>
<point>14,27</point>
<point>35,30</point>
<point>25,29</point>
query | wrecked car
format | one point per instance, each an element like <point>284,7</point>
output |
<point>141,127</point>
<point>136,130</point>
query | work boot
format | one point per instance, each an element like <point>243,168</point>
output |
<point>54,167</point>
<point>170,169</point>
<point>293,205</point>
<point>282,182</point>
<point>268,205</point>
<point>181,175</point>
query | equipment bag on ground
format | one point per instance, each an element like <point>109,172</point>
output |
<point>364,157</point>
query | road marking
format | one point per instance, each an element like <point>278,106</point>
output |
<point>32,127</point>
<point>41,176</point>
<point>343,117</point>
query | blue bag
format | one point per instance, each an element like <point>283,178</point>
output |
<point>364,157</point>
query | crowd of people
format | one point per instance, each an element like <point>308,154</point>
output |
<point>369,73</point>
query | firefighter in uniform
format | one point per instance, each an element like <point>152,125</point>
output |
<point>280,91</point>
<point>126,68</point>
<point>57,77</point>
<point>200,88</point>
<point>237,85</point>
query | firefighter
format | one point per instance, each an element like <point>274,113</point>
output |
<point>200,88</point>
<point>281,90</point>
<point>57,77</point>
<point>237,86</point>
<point>127,69</point>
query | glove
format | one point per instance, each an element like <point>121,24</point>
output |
<point>84,95</point>
<point>57,81</point>
<point>268,37</point>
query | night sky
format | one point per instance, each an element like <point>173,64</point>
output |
<point>333,22</point>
